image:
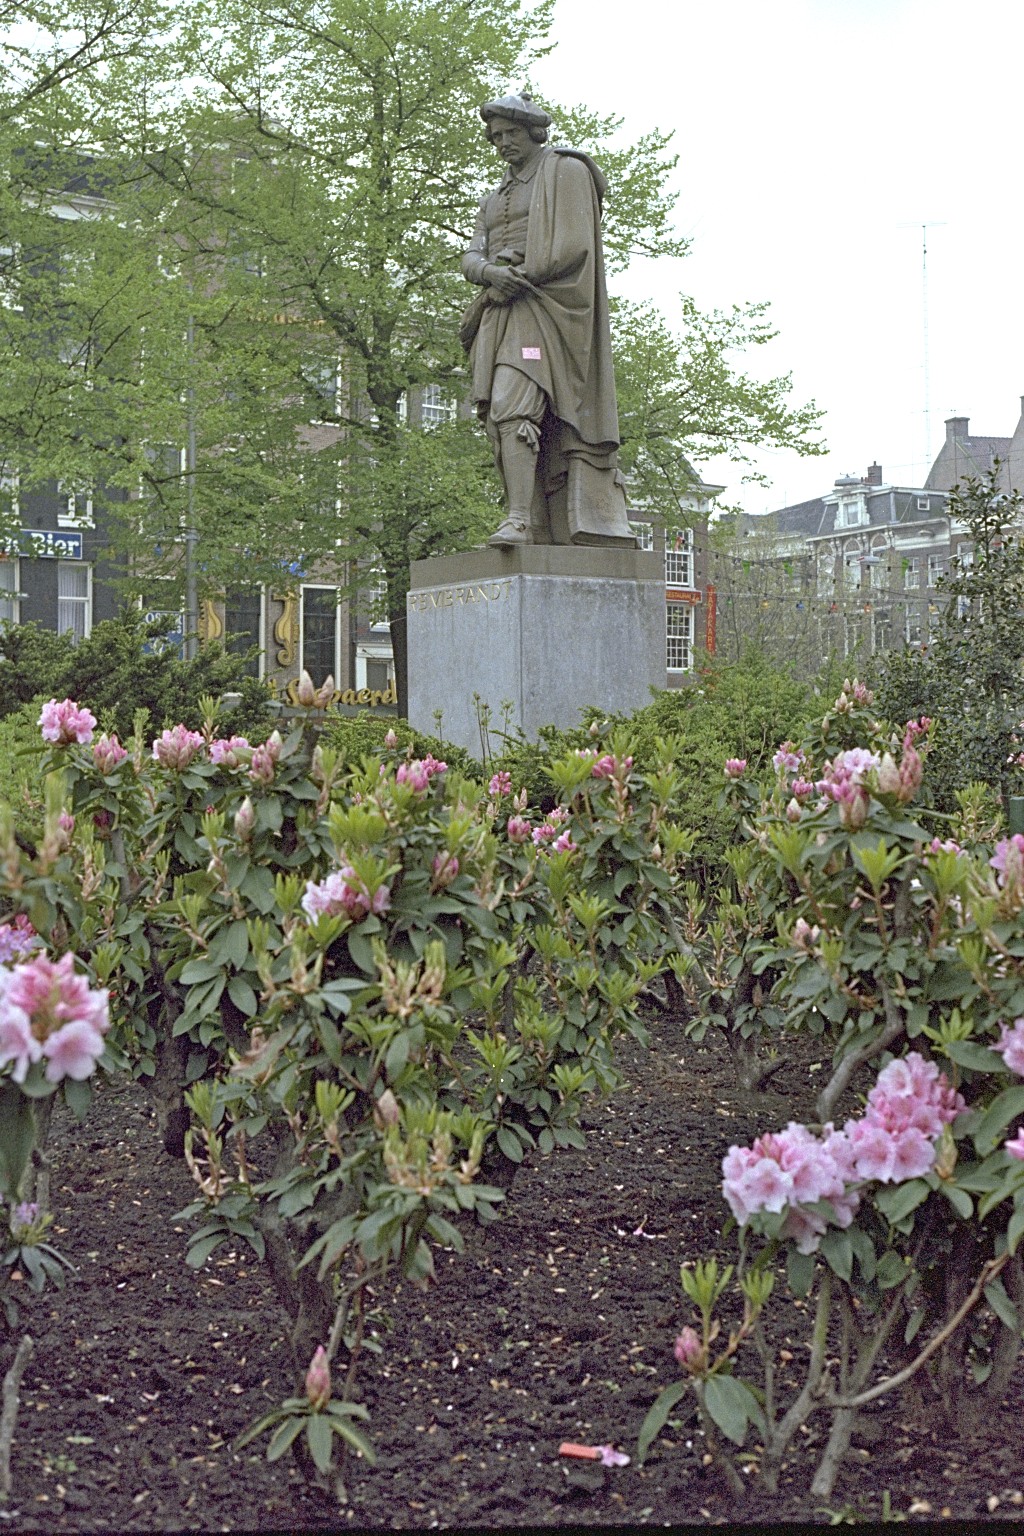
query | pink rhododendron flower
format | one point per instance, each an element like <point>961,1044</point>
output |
<point>544,833</point>
<point>390,740</point>
<point>419,772</point>
<point>794,810</point>
<point>804,934</point>
<point>66,722</point>
<point>944,845</point>
<point>1016,1147</point>
<point>1008,861</point>
<point>176,748</point>
<point>343,892</point>
<point>263,766</point>
<point>735,767</point>
<point>911,774</point>
<point>224,753</point>
<point>17,939</point>
<point>1011,1046</point>
<point>564,844</point>
<point>108,753</point>
<point>915,728</point>
<point>245,820</point>
<point>17,1042</point>
<point>47,1009</point>
<point>609,767</point>
<point>518,829</point>
<point>802,788</point>
<point>500,785</point>
<point>788,758</point>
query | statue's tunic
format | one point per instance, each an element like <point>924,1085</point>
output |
<point>553,220</point>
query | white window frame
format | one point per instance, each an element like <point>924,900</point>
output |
<point>74,505</point>
<point>84,601</point>
<point>912,574</point>
<point>364,655</point>
<point>938,565</point>
<point>436,408</point>
<point>679,636</point>
<point>261,636</point>
<point>320,586</point>
<point>10,594</point>
<point>644,537</point>
<point>679,561</point>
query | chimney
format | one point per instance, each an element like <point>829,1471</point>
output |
<point>874,474</point>
<point>956,426</point>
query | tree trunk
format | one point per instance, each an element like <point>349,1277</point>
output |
<point>400,650</point>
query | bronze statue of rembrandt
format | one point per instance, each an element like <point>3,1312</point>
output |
<point>538,339</point>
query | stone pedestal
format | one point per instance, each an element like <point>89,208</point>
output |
<point>548,629</point>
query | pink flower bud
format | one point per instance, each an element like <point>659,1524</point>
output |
<point>446,867</point>
<point>245,819</point>
<point>391,741</point>
<point>794,810</point>
<point>108,753</point>
<point>305,693</point>
<point>735,767</point>
<point>518,829</point>
<point>911,774</point>
<point>325,693</point>
<point>688,1350</point>
<point>318,1380</point>
<point>385,1110</point>
<point>888,776</point>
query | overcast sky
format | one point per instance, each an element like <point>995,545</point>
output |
<point>815,138</point>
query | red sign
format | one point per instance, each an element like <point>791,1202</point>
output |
<point>683,595</point>
<point>709,627</point>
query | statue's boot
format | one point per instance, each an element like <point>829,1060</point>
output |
<point>514,530</point>
<point>519,471</point>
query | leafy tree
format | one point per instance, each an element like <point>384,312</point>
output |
<point>970,678</point>
<point>682,397</point>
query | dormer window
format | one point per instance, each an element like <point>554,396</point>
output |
<point>851,512</point>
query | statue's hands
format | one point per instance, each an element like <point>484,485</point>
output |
<point>507,283</point>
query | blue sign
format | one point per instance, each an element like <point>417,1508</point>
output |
<point>50,544</point>
<point>173,638</point>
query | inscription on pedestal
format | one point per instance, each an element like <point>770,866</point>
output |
<point>449,597</point>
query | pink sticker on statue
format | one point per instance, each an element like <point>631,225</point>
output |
<point>531,354</point>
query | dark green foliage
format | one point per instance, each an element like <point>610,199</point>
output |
<point>113,675</point>
<point>970,679</point>
<point>357,736</point>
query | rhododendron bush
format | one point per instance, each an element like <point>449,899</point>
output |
<point>861,918</point>
<point>348,991</point>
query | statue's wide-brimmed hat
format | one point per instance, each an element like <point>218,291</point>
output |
<point>519,109</point>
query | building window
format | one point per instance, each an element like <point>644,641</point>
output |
<point>851,514</point>
<point>679,637</point>
<point>376,602</point>
<point>852,566</point>
<point>243,626</point>
<point>911,574</point>
<point>320,620</point>
<point>74,505</point>
<point>437,408</point>
<point>912,629</point>
<point>8,590</point>
<point>936,568</point>
<point>74,599</point>
<point>644,536</point>
<point>679,559</point>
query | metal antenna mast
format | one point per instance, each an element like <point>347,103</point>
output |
<point>924,228</point>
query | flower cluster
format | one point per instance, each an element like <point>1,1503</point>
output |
<point>500,785</point>
<point>894,1140</point>
<point>1008,862</point>
<point>176,748</point>
<point>47,1010</point>
<point>263,764</point>
<point>735,767</point>
<point>788,758</point>
<point>1011,1046</point>
<point>66,722</point>
<point>343,892</point>
<point>844,782</point>
<point>17,939</point>
<point>225,753</point>
<point>419,772</point>
<point>108,753</point>
<point>610,767</point>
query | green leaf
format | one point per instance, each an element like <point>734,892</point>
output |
<point>199,1252</point>
<point>959,1199</point>
<point>1002,1306</point>
<point>361,952</point>
<point>891,1271</point>
<point>732,1405</point>
<point>510,1144</point>
<point>78,1097</point>
<point>837,1251</point>
<point>1006,1106</point>
<point>657,1417</point>
<point>318,1438</point>
<point>967,1053</point>
<point>897,1202</point>
<point>17,1137</point>
<point>202,969</point>
<point>283,1437</point>
<point>799,1271</point>
<point>397,1055</point>
<point>243,996</point>
<point>913,1325</point>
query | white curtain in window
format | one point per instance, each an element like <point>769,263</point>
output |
<point>72,599</point>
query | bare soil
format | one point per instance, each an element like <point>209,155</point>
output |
<point>556,1324</point>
